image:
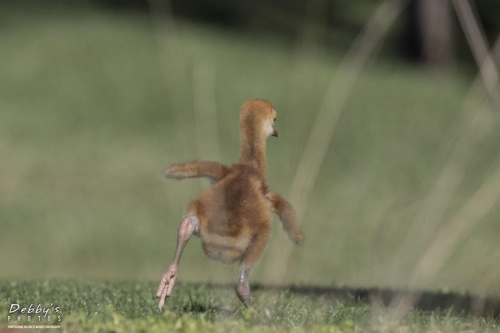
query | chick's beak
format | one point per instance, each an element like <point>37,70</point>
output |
<point>275,133</point>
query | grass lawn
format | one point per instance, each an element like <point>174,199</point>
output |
<point>130,307</point>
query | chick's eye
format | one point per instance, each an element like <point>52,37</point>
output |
<point>274,118</point>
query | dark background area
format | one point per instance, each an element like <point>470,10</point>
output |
<point>286,19</point>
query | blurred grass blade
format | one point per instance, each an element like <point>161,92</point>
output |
<point>478,44</point>
<point>328,115</point>
<point>207,131</point>
<point>457,230</point>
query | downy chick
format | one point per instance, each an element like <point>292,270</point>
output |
<point>233,217</point>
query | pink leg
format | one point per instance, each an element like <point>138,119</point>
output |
<point>186,229</point>
<point>243,288</point>
<point>247,263</point>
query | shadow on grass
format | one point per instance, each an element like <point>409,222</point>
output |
<point>195,306</point>
<point>487,306</point>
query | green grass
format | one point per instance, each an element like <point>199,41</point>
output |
<point>129,306</point>
<point>94,105</point>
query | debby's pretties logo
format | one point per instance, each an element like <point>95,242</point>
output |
<point>34,313</point>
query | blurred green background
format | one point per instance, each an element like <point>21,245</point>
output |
<point>97,98</point>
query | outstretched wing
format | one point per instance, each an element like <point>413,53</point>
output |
<point>287,216</point>
<point>213,170</point>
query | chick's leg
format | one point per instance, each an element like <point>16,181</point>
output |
<point>249,260</point>
<point>186,230</point>
<point>243,288</point>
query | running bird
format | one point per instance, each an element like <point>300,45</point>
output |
<point>233,217</point>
